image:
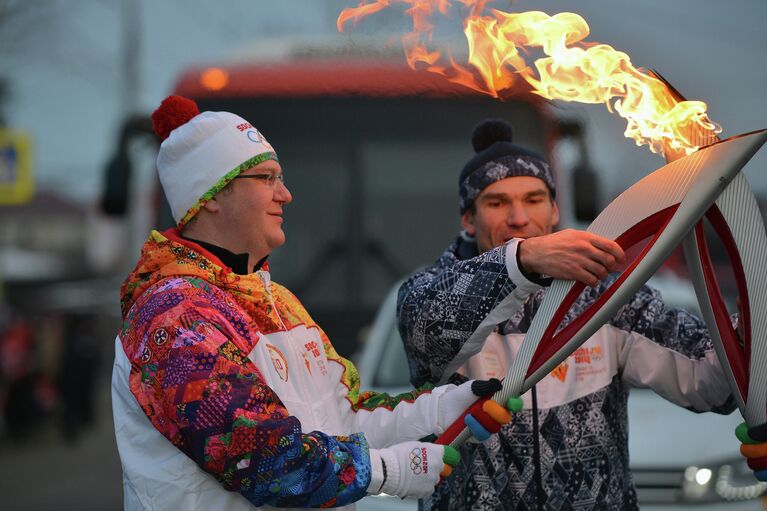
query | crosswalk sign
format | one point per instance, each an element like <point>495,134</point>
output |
<point>17,184</point>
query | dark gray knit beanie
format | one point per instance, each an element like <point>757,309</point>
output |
<point>497,158</point>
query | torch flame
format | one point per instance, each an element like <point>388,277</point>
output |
<point>571,69</point>
<point>357,13</point>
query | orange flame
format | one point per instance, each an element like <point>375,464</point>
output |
<point>357,13</point>
<point>571,69</point>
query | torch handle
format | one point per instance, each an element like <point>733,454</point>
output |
<point>457,433</point>
<point>458,426</point>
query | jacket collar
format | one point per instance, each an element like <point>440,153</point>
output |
<point>237,262</point>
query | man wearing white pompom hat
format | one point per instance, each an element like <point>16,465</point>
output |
<point>568,448</point>
<point>226,395</point>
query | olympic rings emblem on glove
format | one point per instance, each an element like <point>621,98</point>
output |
<point>415,460</point>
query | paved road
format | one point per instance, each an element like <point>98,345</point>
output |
<point>45,472</point>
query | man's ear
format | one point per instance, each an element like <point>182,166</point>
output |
<point>212,205</point>
<point>554,214</point>
<point>467,222</point>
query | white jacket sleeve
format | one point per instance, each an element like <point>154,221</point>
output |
<point>389,419</point>
<point>408,420</point>
<point>670,351</point>
<point>696,383</point>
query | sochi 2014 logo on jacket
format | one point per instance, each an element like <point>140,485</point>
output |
<point>279,362</point>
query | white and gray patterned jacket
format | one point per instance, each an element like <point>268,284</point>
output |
<point>568,449</point>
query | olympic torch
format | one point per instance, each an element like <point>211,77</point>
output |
<point>664,206</point>
<point>737,221</point>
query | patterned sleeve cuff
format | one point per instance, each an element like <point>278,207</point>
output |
<point>515,273</point>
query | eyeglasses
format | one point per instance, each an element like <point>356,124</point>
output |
<point>269,179</point>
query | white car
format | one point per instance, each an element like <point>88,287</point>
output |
<point>680,459</point>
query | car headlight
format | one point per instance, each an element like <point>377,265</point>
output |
<point>729,481</point>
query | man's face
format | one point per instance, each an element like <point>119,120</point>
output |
<point>252,210</point>
<point>515,207</point>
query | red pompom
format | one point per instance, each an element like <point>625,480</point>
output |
<point>172,113</point>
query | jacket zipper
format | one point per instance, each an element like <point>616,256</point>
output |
<point>540,495</point>
<point>298,373</point>
<point>267,280</point>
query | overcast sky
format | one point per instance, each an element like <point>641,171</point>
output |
<point>66,72</point>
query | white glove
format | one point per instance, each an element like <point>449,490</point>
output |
<point>486,419</point>
<point>452,404</point>
<point>412,469</point>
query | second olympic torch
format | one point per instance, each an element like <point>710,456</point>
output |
<point>665,206</point>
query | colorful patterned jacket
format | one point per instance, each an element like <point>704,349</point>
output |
<point>568,448</point>
<point>223,382</point>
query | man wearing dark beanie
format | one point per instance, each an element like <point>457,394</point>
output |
<point>568,448</point>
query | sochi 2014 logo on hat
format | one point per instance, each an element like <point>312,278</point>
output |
<point>254,135</point>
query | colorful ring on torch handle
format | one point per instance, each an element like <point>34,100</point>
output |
<point>758,433</point>
<point>757,463</point>
<point>754,450</point>
<point>452,432</point>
